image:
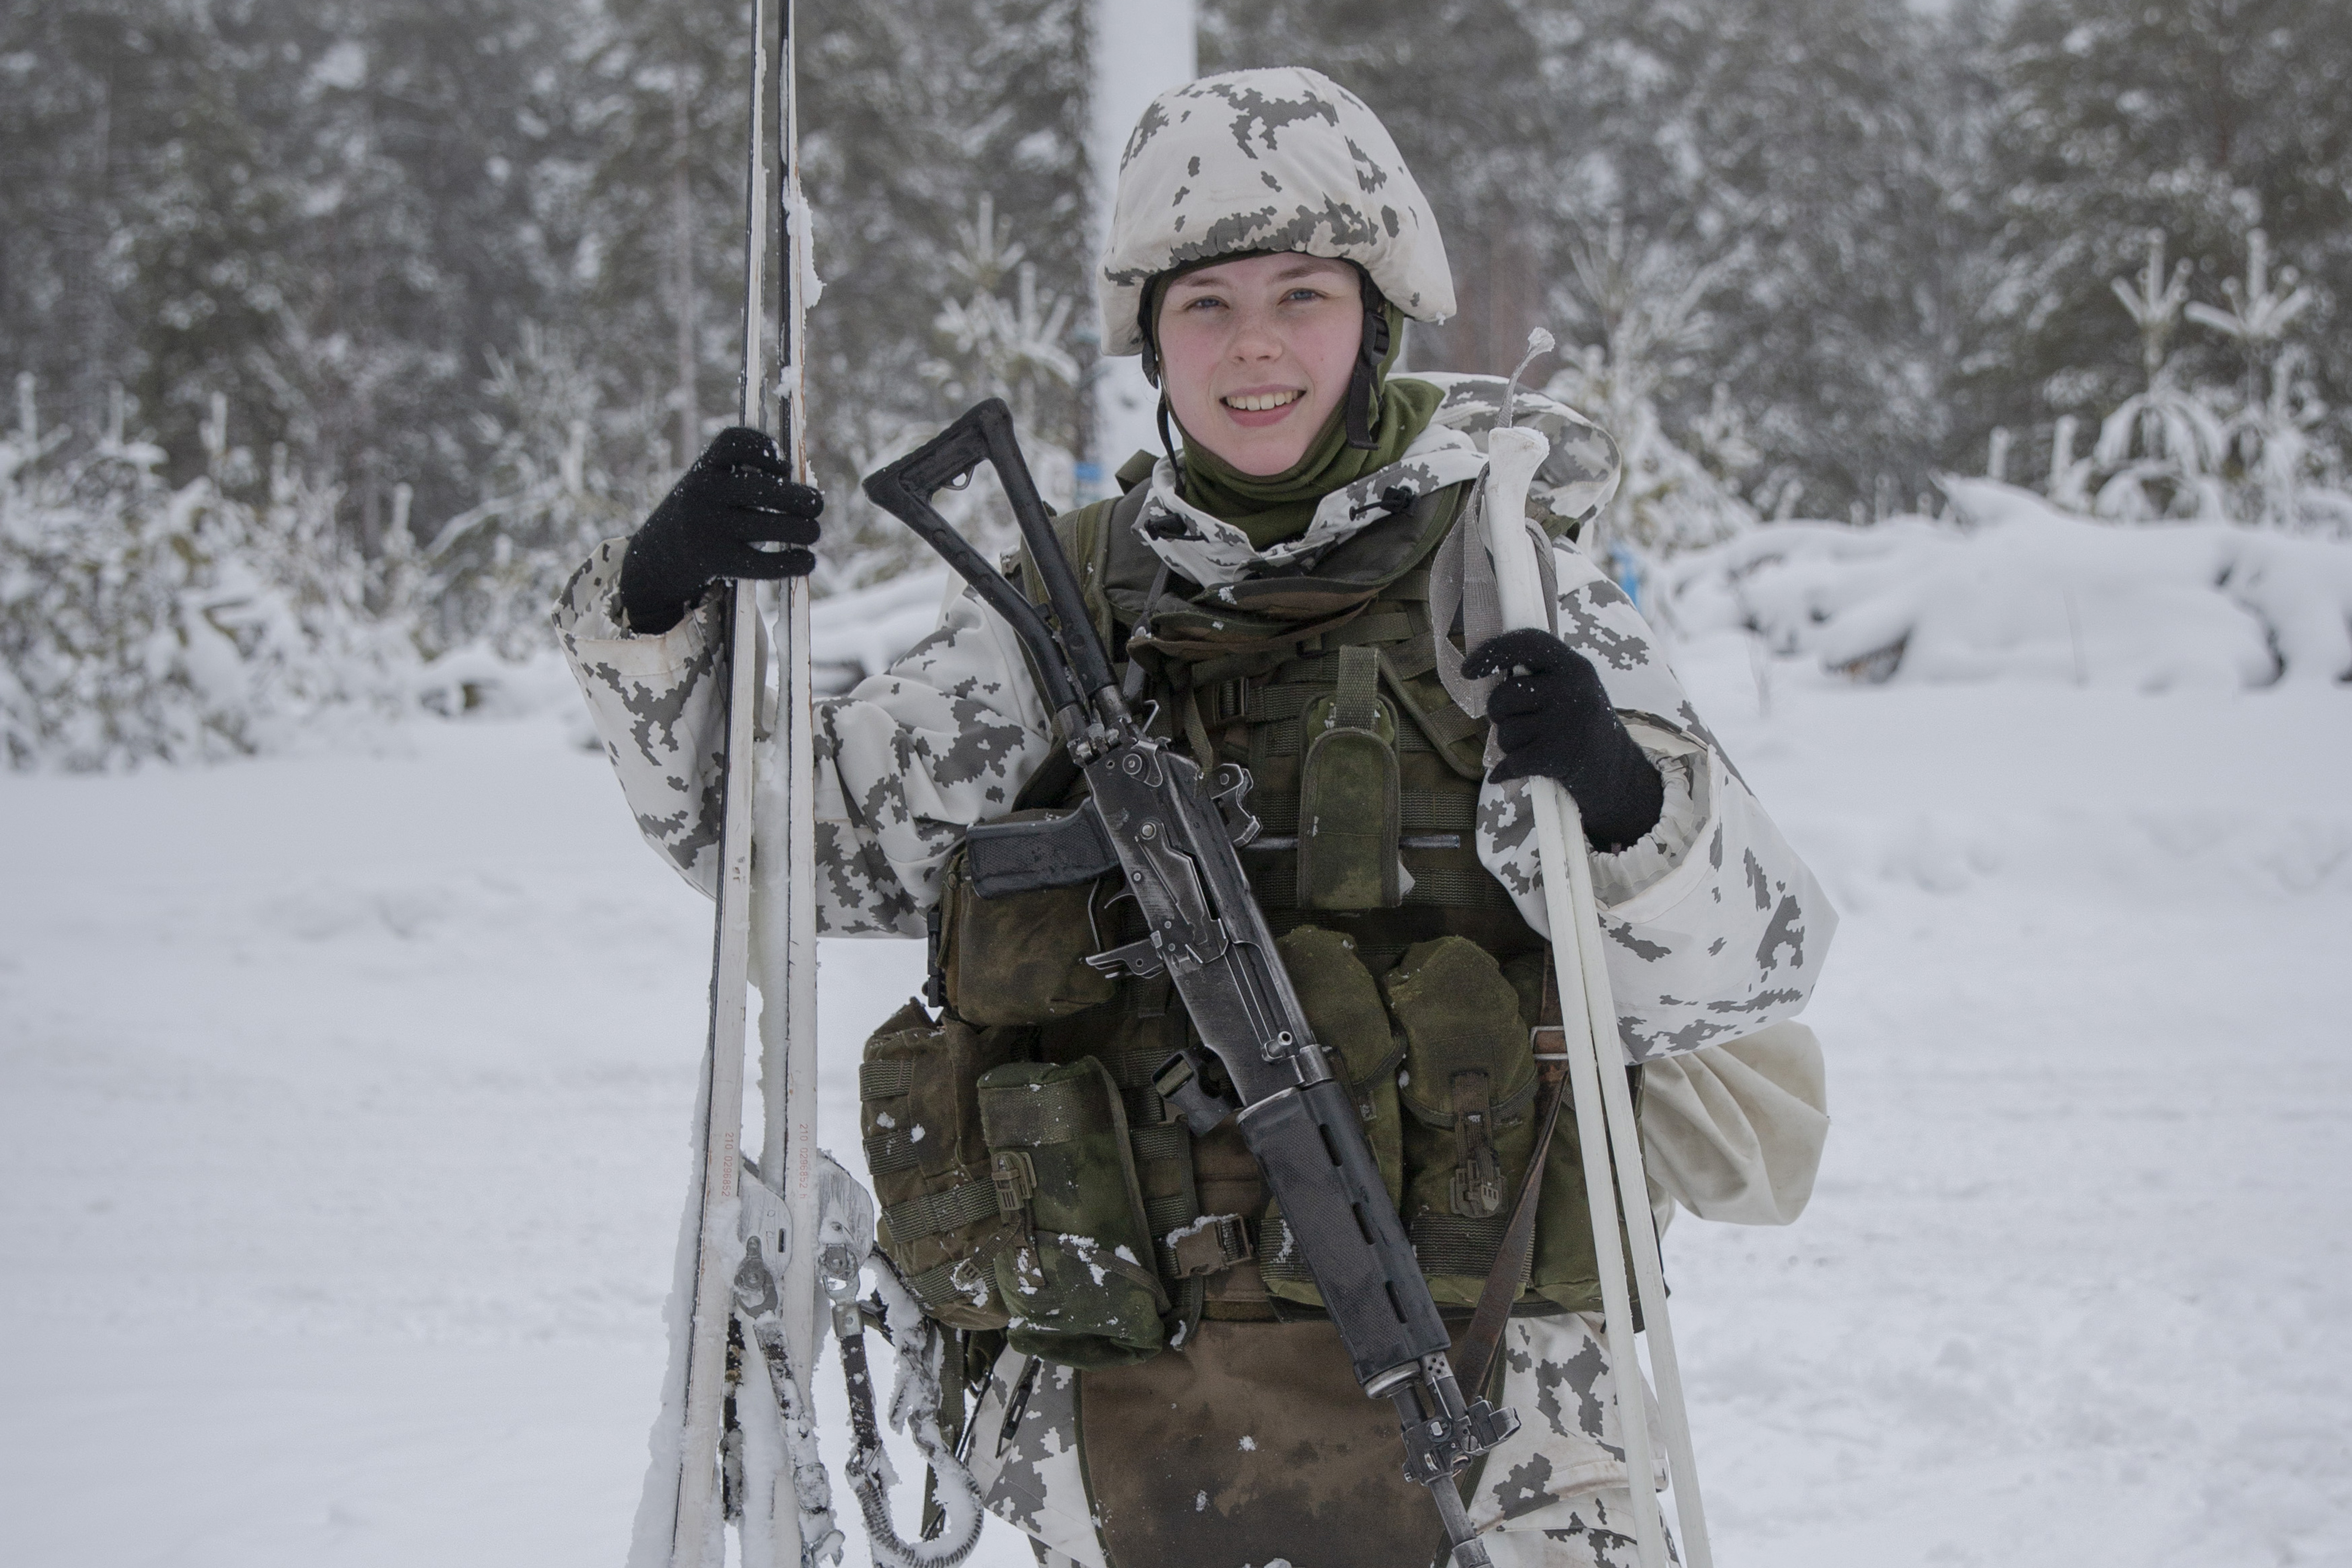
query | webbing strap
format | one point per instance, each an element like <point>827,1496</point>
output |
<point>1355,703</point>
<point>1166,1140</point>
<point>892,1151</point>
<point>1511,1267</point>
<point>1029,1115</point>
<point>1418,810</point>
<point>936,1213</point>
<point>885,1081</point>
<point>1433,887</point>
<point>1388,625</point>
<point>937,1286</point>
<point>1451,1244</point>
<point>1210,1244</point>
<point>1196,733</point>
<point>1169,1211</point>
<point>1133,1069</point>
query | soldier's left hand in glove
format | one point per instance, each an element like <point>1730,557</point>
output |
<point>738,496</point>
<point>1552,719</point>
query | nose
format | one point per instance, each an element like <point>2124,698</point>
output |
<point>1254,337</point>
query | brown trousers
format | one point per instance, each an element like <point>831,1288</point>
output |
<point>1251,1443</point>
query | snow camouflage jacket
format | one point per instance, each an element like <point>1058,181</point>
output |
<point>1716,927</point>
<point>1719,932</point>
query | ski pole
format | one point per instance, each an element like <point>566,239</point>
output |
<point>693,1500</point>
<point>1605,1124</point>
<point>784,891</point>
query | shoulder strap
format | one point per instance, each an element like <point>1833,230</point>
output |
<point>1485,1336</point>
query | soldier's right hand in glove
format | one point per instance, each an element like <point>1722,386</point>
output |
<point>738,495</point>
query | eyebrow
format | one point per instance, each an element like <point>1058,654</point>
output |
<point>1306,266</point>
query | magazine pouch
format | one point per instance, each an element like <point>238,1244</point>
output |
<point>1076,1267</point>
<point>1020,958</point>
<point>919,1111</point>
<point>1468,1091</point>
<point>1347,802</point>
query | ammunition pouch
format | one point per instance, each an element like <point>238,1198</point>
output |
<point>1468,1089</point>
<point>1019,958</point>
<point>1076,1267</point>
<point>1343,1006</point>
<point>919,1111</point>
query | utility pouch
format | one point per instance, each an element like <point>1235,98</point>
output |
<point>919,1111</point>
<point>1074,1271</point>
<point>1348,804</point>
<point>1343,1006</point>
<point>1467,1092</point>
<point>1020,958</point>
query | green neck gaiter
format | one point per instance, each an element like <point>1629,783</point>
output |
<point>1272,507</point>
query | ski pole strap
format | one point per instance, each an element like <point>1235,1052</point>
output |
<point>1549,1039</point>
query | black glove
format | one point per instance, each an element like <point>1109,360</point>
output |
<point>1552,719</point>
<point>739,494</point>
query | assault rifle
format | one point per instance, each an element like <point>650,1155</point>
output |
<point>1172,834</point>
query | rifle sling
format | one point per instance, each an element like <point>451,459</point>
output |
<point>1549,1039</point>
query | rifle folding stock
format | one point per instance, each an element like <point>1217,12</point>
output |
<point>1153,820</point>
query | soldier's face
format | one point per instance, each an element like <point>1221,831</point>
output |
<point>1256,354</point>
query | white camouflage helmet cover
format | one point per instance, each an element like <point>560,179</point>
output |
<point>1281,159</point>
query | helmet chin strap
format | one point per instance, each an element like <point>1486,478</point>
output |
<point>1167,442</point>
<point>1370,352</point>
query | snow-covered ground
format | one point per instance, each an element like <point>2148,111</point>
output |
<point>344,1096</point>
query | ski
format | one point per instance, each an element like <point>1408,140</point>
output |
<point>735,1417</point>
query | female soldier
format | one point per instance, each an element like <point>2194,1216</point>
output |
<point>1281,586</point>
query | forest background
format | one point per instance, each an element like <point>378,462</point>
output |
<point>339,331</point>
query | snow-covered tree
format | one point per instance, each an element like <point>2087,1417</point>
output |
<point>562,475</point>
<point>2254,449</point>
<point>141,620</point>
<point>1638,301</point>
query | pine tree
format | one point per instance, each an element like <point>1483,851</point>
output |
<point>2200,120</point>
<point>1795,153</point>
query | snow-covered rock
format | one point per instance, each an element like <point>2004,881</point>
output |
<point>2012,588</point>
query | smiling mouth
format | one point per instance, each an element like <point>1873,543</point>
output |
<point>1259,403</point>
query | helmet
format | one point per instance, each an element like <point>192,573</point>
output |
<point>1282,159</point>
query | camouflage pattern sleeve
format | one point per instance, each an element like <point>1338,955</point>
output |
<point>1716,928</point>
<point>1562,1476</point>
<point>942,739</point>
<point>661,714</point>
<point>912,757</point>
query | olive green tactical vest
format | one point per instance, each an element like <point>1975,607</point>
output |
<point>1274,675</point>
<point>1002,1189</point>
